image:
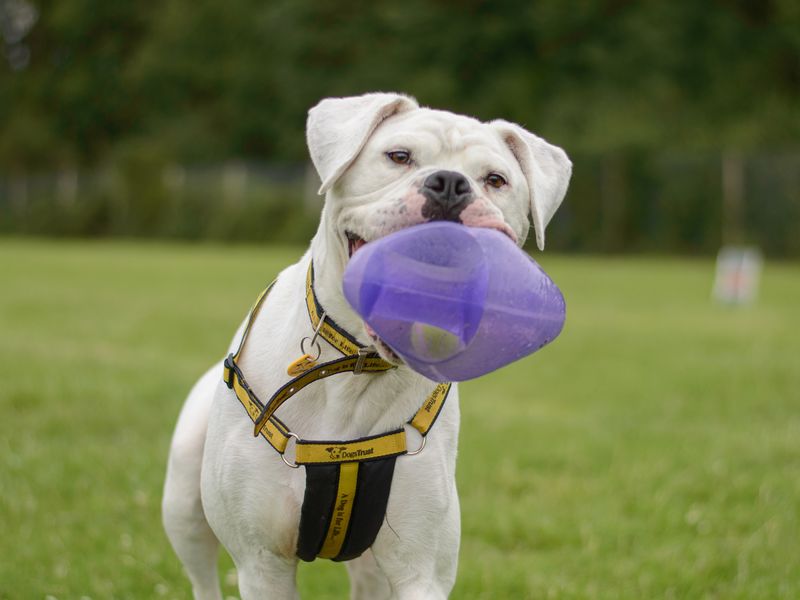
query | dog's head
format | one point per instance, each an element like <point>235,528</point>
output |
<point>386,164</point>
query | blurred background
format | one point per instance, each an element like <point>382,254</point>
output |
<point>185,118</point>
<point>650,452</point>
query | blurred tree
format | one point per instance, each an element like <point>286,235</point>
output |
<point>87,81</point>
<point>71,101</point>
<point>208,79</point>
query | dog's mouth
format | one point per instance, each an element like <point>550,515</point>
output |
<point>354,242</point>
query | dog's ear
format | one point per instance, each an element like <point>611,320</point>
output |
<point>547,170</point>
<point>338,128</point>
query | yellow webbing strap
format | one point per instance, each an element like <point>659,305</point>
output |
<point>342,509</point>
<point>330,331</point>
<point>335,452</point>
<point>227,373</point>
<point>327,452</point>
<point>274,431</point>
<point>430,409</point>
<point>378,446</point>
<point>252,317</point>
<point>321,371</point>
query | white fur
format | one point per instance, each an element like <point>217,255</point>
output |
<point>339,127</point>
<point>547,170</point>
<point>224,484</point>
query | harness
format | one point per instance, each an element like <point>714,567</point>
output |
<point>347,481</point>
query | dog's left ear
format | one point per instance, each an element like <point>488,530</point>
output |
<point>338,128</point>
<point>547,170</point>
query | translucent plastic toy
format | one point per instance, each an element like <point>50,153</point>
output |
<point>454,302</point>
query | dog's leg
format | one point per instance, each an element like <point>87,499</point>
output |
<point>423,571</point>
<point>428,572</point>
<point>367,581</point>
<point>182,510</point>
<point>418,549</point>
<point>267,577</point>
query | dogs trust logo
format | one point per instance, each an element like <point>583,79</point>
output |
<point>341,452</point>
<point>335,452</point>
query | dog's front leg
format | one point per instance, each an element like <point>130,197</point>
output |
<point>252,502</point>
<point>421,565</point>
<point>417,548</point>
<point>267,577</point>
<point>252,529</point>
<point>367,580</point>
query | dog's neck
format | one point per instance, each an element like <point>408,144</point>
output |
<point>345,404</point>
<point>330,259</point>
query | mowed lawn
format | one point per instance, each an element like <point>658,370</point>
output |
<point>653,451</point>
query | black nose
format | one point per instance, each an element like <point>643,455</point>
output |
<point>447,193</point>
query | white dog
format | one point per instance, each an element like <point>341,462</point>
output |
<point>385,164</point>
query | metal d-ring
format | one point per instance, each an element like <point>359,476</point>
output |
<point>421,446</point>
<point>294,465</point>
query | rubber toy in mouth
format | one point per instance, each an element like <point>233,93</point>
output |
<point>454,302</point>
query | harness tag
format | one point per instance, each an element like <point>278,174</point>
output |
<point>301,365</point>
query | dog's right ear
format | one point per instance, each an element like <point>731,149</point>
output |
<point>338,128</point>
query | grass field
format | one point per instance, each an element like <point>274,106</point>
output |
<point>652,452</point>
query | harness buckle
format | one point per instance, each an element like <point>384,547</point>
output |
<point>362,357</point>
<point>227,371</point>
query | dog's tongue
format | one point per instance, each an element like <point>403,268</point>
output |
<point>355,244</point>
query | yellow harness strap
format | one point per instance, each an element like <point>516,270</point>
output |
<point>311,452</point>
<point>329,330</point>
<point>333,367</point>
<point>347,482</point>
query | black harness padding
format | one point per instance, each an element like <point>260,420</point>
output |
<point>368,511</point>
<point>322,481</point>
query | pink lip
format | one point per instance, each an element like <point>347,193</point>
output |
<point>476,215</point>
<point>501,227</point>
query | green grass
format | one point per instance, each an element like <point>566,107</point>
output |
<point>652,452</point>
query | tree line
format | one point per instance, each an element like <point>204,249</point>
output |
<point>623,85</point>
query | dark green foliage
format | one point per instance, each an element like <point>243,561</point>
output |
<point>642,93</point>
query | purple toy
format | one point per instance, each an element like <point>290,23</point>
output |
<point>454,302</point>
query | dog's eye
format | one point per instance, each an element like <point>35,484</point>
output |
<point>400,157</point>
<point>495,180</point>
